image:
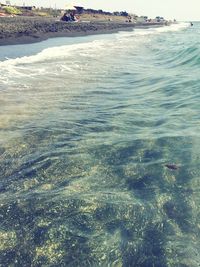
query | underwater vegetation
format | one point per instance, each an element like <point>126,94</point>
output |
<point>98,205</point>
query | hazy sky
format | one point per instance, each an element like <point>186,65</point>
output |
<point>170,9</point>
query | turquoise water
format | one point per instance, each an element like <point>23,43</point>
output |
<point>87,127</point>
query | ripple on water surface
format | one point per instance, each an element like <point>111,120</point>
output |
<point>85,141</point>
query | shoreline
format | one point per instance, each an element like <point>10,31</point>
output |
<point>36,38</point>
<point>23,30</point>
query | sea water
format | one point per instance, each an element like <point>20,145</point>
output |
<point>100,150</point>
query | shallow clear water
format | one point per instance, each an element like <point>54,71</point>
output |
<point>87,126</point>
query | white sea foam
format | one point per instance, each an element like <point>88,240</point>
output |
<point>173,28</point>
<point>54,53</point>
<point>50,60</point>
<point>157,30</point>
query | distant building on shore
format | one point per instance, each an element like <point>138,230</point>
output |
<point>2,5</point>
<point>5,3</point>
<point>28,8</point>
<point>8,3</point>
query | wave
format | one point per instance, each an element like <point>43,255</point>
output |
<point>157,30</point>
<point>53,53</point>
<point>186,56</point>
<point>189,56</point>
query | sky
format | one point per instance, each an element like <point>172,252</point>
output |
<point>182,10</point>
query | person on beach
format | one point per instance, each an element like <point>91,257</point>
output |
<point>65,17</point>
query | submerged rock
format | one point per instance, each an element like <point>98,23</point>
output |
<point>172,166</point>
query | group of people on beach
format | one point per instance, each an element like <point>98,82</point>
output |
<point>70,17</point>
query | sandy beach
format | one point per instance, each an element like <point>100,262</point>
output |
<point>21,30</point>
